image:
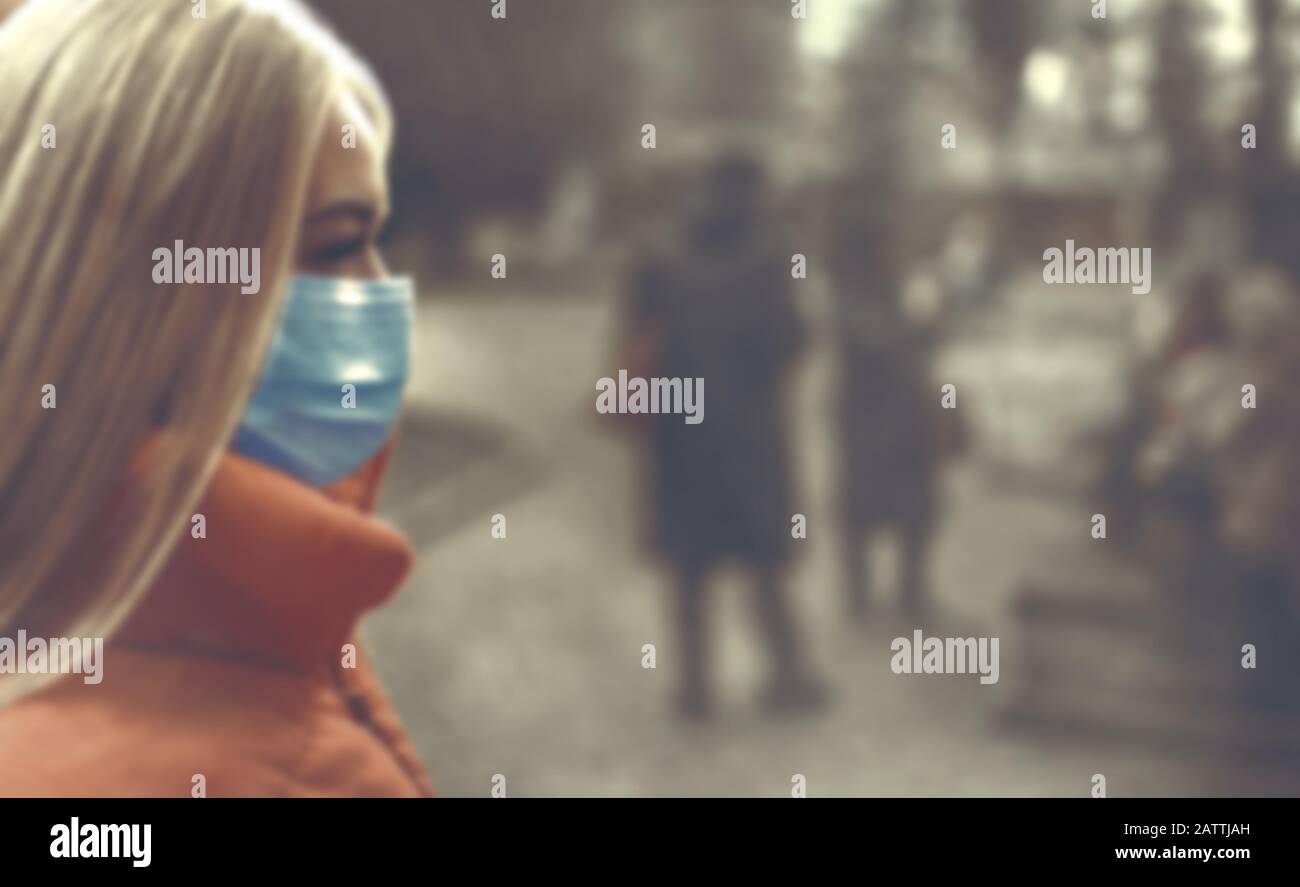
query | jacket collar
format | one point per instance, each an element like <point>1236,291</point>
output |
<point>283,575</point>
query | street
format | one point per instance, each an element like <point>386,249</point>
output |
<point>522,656</point>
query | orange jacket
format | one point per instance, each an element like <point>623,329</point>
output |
<point>232,668</point>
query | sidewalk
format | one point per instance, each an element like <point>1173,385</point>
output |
<point>522,656</point>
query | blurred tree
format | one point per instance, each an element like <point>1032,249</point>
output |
<point>713,77</point>
<point>1003,33</point>
<point>1178,93</point>
<point>877,71</point>
<point>490,111</point>
<point>1272,186</point>
<point>729,60</point>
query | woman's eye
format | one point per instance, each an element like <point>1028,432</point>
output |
<point>342,250</point>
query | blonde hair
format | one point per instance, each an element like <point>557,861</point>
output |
<point>163,127</point>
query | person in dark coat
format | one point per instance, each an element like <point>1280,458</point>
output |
<point>717,303</point>
<point>886,406</point>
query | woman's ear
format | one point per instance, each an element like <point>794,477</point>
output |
<point>162,410</point>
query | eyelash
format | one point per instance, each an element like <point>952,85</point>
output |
<point>343,250</point>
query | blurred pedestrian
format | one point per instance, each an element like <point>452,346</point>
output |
<point>714,303</point>
<point>1178,462</point>
<point>886,410</point>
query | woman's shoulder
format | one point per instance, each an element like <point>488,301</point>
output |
<point>164,725</point>
<point>155,726</point>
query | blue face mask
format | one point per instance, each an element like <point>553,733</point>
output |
<point>333,332</point>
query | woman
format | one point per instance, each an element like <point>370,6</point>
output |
<point>889,448</point>
<point>189,459</point>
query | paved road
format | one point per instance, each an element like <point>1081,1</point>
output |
<point>522,656</point>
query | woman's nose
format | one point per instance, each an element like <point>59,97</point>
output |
<point>367,265</point>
